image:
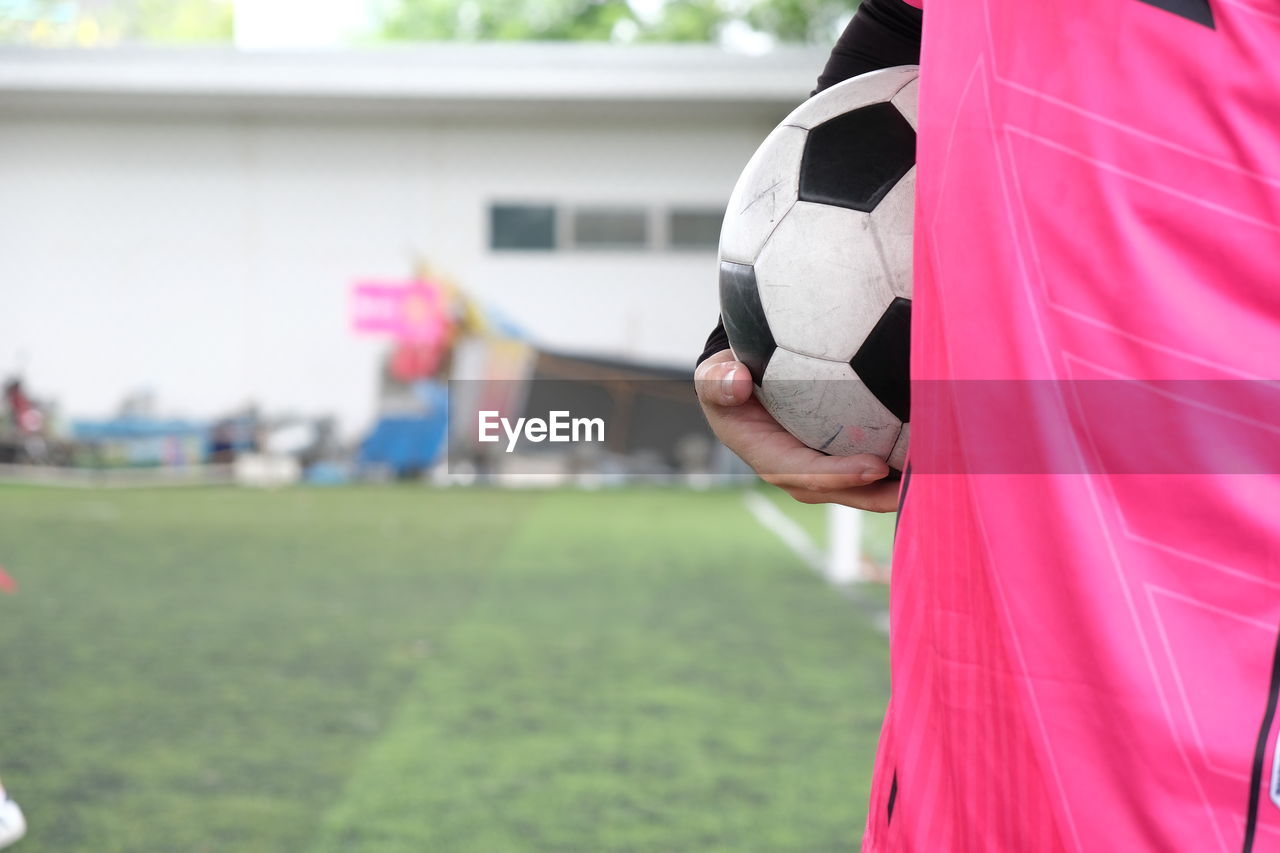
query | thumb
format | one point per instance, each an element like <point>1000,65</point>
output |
<point>723,383</point>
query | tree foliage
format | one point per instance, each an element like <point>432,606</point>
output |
<point>505,20</point>
<point>800,20</point>
<point>91,23</point>
<point>105,22</point>
<point>812,21</point>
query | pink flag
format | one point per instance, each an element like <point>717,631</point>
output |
<point>411,311</point>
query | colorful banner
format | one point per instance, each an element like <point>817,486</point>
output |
<point>411,312</point>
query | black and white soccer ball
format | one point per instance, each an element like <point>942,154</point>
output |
<point>815,266</point>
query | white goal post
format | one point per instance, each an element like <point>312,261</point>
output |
<point>845,563</point>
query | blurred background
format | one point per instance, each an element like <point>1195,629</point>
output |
<point>260,264</point>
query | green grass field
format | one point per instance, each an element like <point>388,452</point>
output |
<point>404,671</point>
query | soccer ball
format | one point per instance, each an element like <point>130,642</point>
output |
<point>815,266</point>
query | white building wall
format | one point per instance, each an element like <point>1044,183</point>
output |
<point>209,259</point>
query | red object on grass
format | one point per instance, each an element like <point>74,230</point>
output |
<point>7,584</point>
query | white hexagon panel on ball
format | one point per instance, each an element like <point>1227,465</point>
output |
<point>824,405</point>
<point>906,102</point>
<point>872,88</point>
<point>892,223</point>
<point>765,191</point>
<point>821,281</point>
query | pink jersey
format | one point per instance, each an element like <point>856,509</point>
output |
<point>1088,662</point>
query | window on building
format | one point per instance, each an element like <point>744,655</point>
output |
<point>522,227</point>
<point>547,227</point>
<point>610,228</point>
<point>694,228</point>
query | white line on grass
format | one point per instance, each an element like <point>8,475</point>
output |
<point>793,536</point>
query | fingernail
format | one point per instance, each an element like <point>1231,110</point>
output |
<point>870,475</point>
<point>726,384</point>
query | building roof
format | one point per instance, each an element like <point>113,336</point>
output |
<point>448,79</point>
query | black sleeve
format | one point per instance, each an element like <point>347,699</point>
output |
<point>882,34</point>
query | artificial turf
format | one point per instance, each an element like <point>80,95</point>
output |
<point>407,670</point>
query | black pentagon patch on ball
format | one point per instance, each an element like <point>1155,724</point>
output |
<point>854,159</point>
<point>744,319</point>
<point>883,362</point>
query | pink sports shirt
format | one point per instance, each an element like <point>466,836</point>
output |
<point>1088,661</point>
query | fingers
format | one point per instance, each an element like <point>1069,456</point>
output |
<point>811,477</point>
<point>724,388</point>
<point>806,470</point>
<point>722,381</point>
<point>878,497</point>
